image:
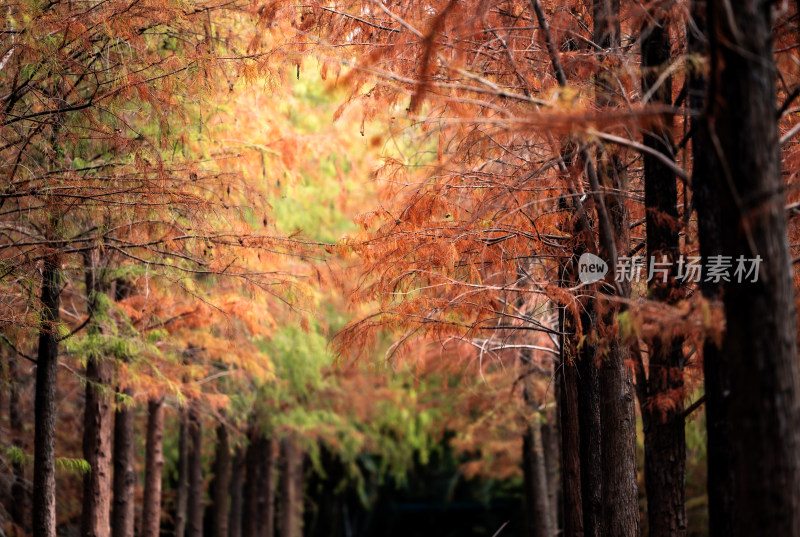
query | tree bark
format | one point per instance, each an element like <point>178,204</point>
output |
<point>621,507</point>
<point>97,428</point>
<point>569,395</point>
<point>123,517</point>
<point>537,508</point>
<point>255,458</point>
<point>570,445</point>
<point>761,336</point>
<point>259,501</point>
<point>299,487</point>
<point>716,367</point>
<point>590,431</point>
<point>551,447</point>
<point>661,393</point>
<point>154,463</point>
<point>194,511</point>
<point>620,511</point>
<point>268,485</point>
<point>222,483</point>
<point>182,491</point>
<point>124,470</point>
<point>44,442</point>
<point>97,451</point>
<point>606,35</point>
<point>236,512</point>
<point>291,499</point>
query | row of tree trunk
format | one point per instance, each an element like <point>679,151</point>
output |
<point>751,383</point>
<point>242,490</point>
<point>102,424</point>
<point>250,484</point>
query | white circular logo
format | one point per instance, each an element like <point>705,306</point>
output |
<point>591,268</point>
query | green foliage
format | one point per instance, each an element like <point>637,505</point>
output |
<point>298,357</point>
<point>78,466</point>
<point>73,466</point>
<point>15,455</point>
<point>123,399</point>
<point>104,346</point>
<point>313,204</point>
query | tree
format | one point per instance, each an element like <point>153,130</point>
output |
<point>237,473</point>
<point>760,342</point>
<point>660,391</point>
<point>715,364</point>
<point>97,426</point>
<point>540,521</point>
<point>122,524</point>
<point>291,487</point>
<point>196,490</point>
<point>182,488</point>
<point>154,461</point>
<point>44,480</point>
<point>87,124</point>
<point>222,480</point>
<point>173,235</point>
<point>453,241</point>
<point>122,521</point>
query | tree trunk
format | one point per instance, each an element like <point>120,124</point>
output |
<point>254,488</point>
<point>182,491</point>
<point>606,35</point>
<point>299,488</point>
<point>236,512</point>
<point>222,483</point>
<point>761,336</point>
<point>291,499</point>
<point>19,494</point>
<point>716,366</point>
<point>154,462</point>
<point>44,441</point>
<point>194,511</point>
<point>621,507</point>
<point>124,470</point>
<point>97,451</point>
<point>268,485</point>
<point>664,442</point>
<point>551,446</point>
<point>537,508</point>
<point>123,517</point>
<point>620,510</point>
<point>570,447</point>
<point>538,519</point>
<point>97,428</point>
<point>259,502</point>
<point>569,394</point>
<point>590,432</point>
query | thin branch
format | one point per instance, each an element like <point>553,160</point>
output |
<point>15,349</point>
<point>674,168</point>
<point>79,327</point>
<point>694,406</point>
<point>349,16</point>
<point>551,47</point>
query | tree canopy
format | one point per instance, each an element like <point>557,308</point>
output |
<point>368,252</point>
